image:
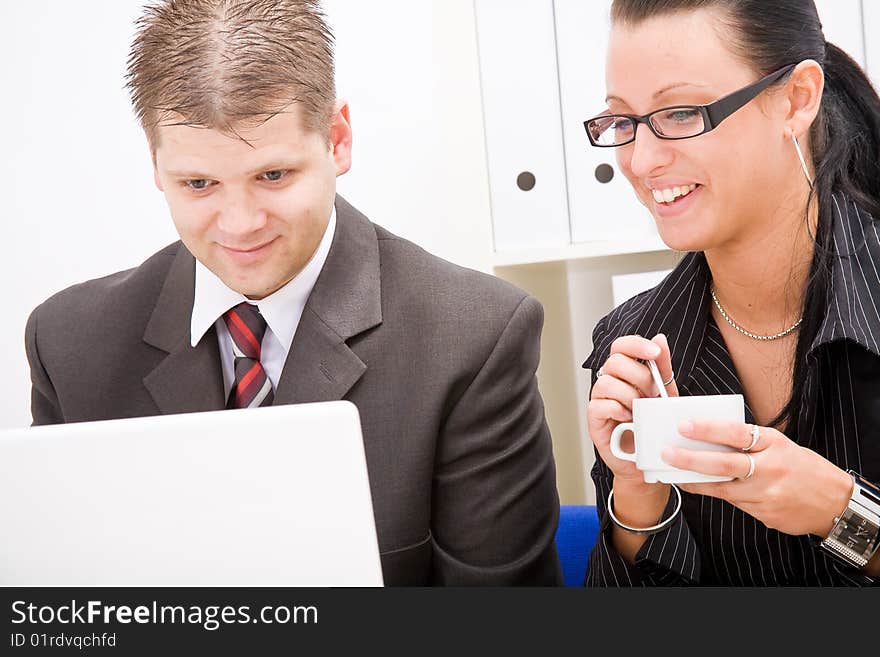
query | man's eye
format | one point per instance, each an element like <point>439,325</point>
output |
<point>199,184</point>
<point>274,176</point>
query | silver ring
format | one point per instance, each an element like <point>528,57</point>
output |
<point>751,467</point>
<point>671,379</point>
<point>756,436</point>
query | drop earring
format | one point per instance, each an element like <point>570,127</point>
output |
<point>800,154</point>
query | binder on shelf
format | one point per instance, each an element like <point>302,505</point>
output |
<point>521,113</point>
<point>602,205</point>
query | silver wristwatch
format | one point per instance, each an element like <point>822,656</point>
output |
<point>855,536</point>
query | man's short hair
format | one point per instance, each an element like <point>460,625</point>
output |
<point>224,64</point>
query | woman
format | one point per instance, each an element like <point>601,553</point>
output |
<point>755,144</point>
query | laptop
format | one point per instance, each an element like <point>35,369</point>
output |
<point>275,496</point>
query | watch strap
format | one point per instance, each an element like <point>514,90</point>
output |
<point>861,513</point>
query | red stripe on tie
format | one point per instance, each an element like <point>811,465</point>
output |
<point>245,331</point>
<point>246,380</point>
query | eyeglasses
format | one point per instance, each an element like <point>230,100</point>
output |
<point>677,122</point>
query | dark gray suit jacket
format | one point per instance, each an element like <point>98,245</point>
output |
<point>440,361</point>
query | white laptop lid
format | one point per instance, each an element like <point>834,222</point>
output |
<point>275,496</point>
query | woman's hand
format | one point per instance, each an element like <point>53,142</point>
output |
<point>792,489</point>
<point>621,379</point>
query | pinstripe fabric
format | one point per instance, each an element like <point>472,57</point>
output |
<point>712,542</point>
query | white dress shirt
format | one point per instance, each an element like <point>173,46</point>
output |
<point>282,311</point>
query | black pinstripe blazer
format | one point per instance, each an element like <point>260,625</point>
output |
<point>712,542</point>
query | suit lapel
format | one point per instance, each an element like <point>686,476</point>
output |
<point>319,367</point>
<point>188,379</point>
<point>345,302</point>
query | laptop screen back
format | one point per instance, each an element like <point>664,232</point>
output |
<point>275,496</point>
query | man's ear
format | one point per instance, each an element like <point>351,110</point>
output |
<point>804,95</point>
<point>156,177</point>
<point>340,137</point>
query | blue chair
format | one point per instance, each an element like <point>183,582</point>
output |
<point>577,533</point>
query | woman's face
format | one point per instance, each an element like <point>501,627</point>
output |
<point>735,171</point>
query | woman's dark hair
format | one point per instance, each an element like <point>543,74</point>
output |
<point>844,138</point>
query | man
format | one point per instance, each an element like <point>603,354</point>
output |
<point>280,292</point>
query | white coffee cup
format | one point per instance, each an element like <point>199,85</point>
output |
<point>655,425</point>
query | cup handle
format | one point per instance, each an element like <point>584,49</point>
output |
<point>615,442</point>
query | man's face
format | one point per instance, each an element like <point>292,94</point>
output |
<point>253,213</point>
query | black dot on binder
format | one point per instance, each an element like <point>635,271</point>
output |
<point>525,181</point>
<point>604,173</point>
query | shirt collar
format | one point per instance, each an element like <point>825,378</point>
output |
<point>851,312</point>
<point>282,309</point>
<point>680,310</point>
<point>676,307</point>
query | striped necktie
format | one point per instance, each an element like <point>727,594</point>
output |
<point>252,387</point>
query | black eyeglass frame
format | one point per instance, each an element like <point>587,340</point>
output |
<point>713,113</point>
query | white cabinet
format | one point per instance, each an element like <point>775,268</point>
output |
<point>521,109</point>
<point>551,190</point>
<point>601,203</point>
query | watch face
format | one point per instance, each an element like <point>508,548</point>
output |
<point>855,532</point>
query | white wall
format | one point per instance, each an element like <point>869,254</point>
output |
<point>76,194</point>
<point>75,177</point>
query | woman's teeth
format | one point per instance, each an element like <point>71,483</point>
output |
<point>669,194</point>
